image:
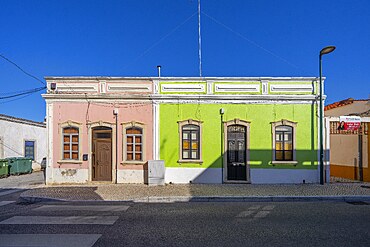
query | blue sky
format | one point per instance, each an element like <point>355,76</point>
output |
<point>131,37</point>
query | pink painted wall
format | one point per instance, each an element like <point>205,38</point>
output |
<point>82,113</point>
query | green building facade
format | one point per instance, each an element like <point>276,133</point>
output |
<point>237,130</point>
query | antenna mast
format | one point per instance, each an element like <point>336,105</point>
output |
<point>199,42</point>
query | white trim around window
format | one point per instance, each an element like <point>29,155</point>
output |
<point>78,126</point>
<point>125,127</point>
<point>196,137</point>
<point>34,148</point>
<point>275,125</point>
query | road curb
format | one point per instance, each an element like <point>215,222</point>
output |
<point>177,199</point>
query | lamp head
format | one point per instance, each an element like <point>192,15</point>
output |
<point>327,50</point>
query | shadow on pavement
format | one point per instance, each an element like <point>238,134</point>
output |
<point>69,193</point>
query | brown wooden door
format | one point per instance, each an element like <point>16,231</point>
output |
<point>102,156</point>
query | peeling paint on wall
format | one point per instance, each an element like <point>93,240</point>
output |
<point>69,172</point>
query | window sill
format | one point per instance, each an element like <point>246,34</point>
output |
<point>294,163</point>
<point>69,161</point>
<point>133,162</point>
<point>190,161</point>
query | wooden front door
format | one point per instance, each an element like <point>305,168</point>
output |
<point>236,153</point>
<point>102,154</point>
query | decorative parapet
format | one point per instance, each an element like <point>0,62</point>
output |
<point>99,85</point>
<point>210,87</point>
<point>240,86</point>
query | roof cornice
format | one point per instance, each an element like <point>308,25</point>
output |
<point>22,121</point>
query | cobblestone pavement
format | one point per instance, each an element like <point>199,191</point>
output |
<point>34,183</point>
<point>137,191</point>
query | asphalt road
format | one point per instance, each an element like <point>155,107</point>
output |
<point>183,224</point>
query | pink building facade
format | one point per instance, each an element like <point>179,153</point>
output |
<point>99,129</point>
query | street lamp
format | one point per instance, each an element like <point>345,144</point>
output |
<point>325,50</point>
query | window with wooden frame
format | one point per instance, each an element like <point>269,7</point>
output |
<point>134,144</point>
<point>190,141</point>
<point>284,141</point>
<point>70,143</point>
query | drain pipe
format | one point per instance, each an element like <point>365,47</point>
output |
<point>222,111</point>
<point>115,113</point>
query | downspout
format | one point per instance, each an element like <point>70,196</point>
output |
<point>115,112</point>
<point>222,111</point>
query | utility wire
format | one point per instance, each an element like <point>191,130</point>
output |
<point>161,39</point>
<point>7,101</point>
<point>18,67</point>
<point>249,40</point>
<point>24,93</point>
<point>15,92</point>
<point>12,149</point>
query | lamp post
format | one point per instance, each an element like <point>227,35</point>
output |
<point>325,50</point>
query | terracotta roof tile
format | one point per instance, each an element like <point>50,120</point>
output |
<point>342,103</point>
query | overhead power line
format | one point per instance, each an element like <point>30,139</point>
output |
<point>160,40</point>
<point>19,98</point>
<point>248,40</point>
<point>18,67</point>
<point>34,90</point>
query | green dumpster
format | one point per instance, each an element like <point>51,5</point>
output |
<point>19,165</point>
<point>4,168</point>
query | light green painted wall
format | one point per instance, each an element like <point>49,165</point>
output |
<point>260,117</point>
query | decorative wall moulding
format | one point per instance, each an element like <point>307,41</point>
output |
<point>183,88</point>
<point>77,88</point>
<point>130,88</point>
<point>301,88</point>
<point>234,88</point>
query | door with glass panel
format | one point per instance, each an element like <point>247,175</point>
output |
<point>236,153</point>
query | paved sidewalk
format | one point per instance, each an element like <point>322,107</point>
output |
<point>37,191</point>
<point>25,181</point>
<point>202,192</point>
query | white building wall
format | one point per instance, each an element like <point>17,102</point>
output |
<point>258,176</point>
<point>14,134</point>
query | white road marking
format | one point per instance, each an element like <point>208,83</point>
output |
<point>270,207</point>
<point>2,203</point>
<point>96,208</point>
<point>258,211</point>
<point>244,214</point>
<point>261,214</point>
<point>61,220</point>
<point>57,240</point>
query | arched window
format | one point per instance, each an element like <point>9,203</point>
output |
<point>70,143</point>
<point>283,134</point>
<point>190,141</point>
<point>284,143</point>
